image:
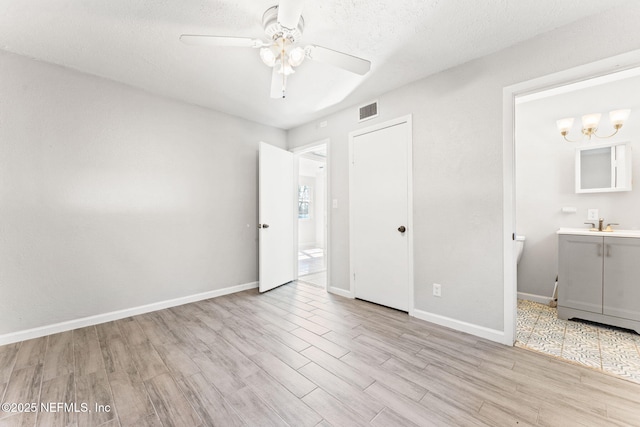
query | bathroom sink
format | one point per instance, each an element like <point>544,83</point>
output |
<point>588,232</point>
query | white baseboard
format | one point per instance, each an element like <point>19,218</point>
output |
<point>119,314</point>
<point>342,292</point>
<point>458,325</point>
<point>535,298</point>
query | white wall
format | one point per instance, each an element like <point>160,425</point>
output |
<point>112,198</point>
<point>457,138</point>
<point>545,175</point>
<point>307,226</point>
<point>320,198</point>
<point>311,230</point>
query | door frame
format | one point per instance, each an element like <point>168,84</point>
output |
<point>352,135</point>
<point>297,152</point>
<point>580,73</point>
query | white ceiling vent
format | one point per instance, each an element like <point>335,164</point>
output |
<point>368,111</point>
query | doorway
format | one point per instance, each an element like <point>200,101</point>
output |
<point>311,214</point>
<point>530,322</point>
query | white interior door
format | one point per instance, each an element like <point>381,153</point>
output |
<point>276,219</point>
<point>380,215</point>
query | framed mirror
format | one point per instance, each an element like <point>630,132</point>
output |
<point>603,167</point>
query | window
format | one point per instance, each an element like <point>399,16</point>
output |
<point>304,200</point>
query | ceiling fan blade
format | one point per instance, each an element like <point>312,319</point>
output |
<point>203,40</point>
<point>289,12</point>
<point>278,84</point>
<point>338,59</point>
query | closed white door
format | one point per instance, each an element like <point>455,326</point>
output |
<point>380,215</point>
<point>276,217</point>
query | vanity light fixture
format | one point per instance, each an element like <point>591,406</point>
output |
<point>590,124</point>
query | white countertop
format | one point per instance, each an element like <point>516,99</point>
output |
<point>586,232</point>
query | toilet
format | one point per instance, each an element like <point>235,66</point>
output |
<point>520,245</point>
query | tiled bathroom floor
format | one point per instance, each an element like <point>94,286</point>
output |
<point>609,349</point>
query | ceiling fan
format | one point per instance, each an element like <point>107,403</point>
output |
<point>283,26</point>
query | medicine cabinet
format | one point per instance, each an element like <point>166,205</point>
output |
<point>603,167</point>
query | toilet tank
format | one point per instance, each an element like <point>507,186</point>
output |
<point>520,245</point>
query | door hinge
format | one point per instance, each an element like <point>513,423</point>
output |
<point>513,236</point>
<point>354,276</point>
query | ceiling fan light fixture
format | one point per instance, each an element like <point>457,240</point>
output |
<point>267,56</point>
<point>296,56</point>
<point>283,26</point>
<point>284,68</point>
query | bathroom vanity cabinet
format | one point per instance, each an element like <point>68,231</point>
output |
<point>598,277</point>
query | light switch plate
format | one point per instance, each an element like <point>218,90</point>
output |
<point>592,214</point>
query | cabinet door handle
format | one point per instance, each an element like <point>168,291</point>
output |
<point>608,250</point>
<point>599,249</point>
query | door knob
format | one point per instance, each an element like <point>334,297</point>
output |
<point>265,225</point>
<point>402,229</point>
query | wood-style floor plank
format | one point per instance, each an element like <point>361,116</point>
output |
<point>208,402</point>
<point>291,409</point>
<point>87,353</point>
<point>339,368</point>
<point>335,412</point>
<point>359,402</point>
<point>60,389</point>
<point>322,343</point>
<point>94,390</point>
<point>388,417</point>
<point>388,378</point>
<point>8,355</point>
<point>252,410</point>
<point>59,357</point>
<point>169,402</point>
<point>131,400</point>
<point>23,387</point>
<point>284,374</point>
<point>297,356</point>
<point>31,353</point>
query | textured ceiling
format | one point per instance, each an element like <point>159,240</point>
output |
<point>136,42</point>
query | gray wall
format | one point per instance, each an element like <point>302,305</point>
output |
<point>457,156</point>
<point>111,198</point>
<point>545,175</point>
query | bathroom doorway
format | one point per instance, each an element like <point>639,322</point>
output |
<point>540,198</point>
<point>311,214</point>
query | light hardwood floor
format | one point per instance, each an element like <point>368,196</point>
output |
<point>298,356</point>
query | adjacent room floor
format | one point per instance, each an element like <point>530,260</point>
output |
<point>298,356</point>
<point>312,267</point>
<point>310,260</point>
<point>606,348</point>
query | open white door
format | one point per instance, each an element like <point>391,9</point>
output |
<point>276,220</point>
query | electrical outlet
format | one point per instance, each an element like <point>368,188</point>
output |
<point>592,214</point>
<point>437,290</point>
